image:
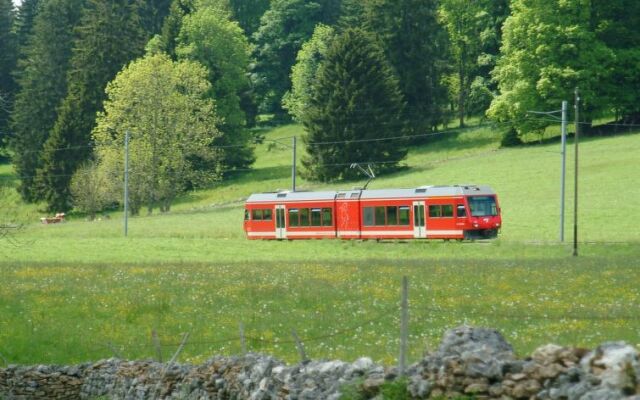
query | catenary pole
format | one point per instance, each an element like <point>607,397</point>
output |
<point>575,177</point>
<point>293,166</point>
<point>564,164</point>
<point>126,183</point>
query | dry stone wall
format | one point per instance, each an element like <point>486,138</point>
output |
<point>472,362</point>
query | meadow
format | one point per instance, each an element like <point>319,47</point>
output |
<point>81,291</point>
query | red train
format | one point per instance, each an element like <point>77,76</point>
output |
<point>429,212</point>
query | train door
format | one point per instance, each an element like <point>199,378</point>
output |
<point>419,228</point>
<point>281,227</point>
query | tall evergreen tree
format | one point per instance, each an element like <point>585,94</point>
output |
<point>110,35</point>
<point>209,36</point>
<point>248,13</point>
<point>172,25</point>
<point>356,103</point>
<point>8,57</point>
<point>414,43</point>
<point>43,86</point>
<point>25,19</point>
<point>617,25</point>
<point>283,29</point>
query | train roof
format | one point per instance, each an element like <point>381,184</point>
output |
<point>419,192</point>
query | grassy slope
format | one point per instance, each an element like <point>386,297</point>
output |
<point>70,288</point>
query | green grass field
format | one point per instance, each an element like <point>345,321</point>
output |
<point>81,291</point>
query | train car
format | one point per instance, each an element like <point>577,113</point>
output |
<point>426,212</point>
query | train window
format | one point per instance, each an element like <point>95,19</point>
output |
<point>368,216</point>
<point>304,217</point>
<point>354,195</point>
<point>403,215</point>
<point>461,212</point>
<point>256,214</point>
<point>247,215</point>
<point>341,195</point>
<point>380,214</point>
<point>266,214</point>
<point>447,210</point>
<point>392,215</point>
<point>294,217</point>
<point>435,211</point>
<point>326,217</point>
<point>316,217</point>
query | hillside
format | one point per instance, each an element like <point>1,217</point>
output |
<point>76,291</point>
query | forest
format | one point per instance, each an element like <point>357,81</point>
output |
<point>184,84</point>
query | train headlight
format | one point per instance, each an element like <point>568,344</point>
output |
<point>498,225</point>
<point>475,225</point>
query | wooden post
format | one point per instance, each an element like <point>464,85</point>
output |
<point>300,346</point>
<point>243,344</point>
<point>114,350</point>
<point>156,344</point>
<point>404,325</point>
<point>184,341</point>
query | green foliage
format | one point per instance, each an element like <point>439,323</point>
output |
<point>395,390</point>
<point>617,25</point>
<point>173,23</point>
<point>25,19</point>
<point>8,57</point>
<point>467,24</point>
<point>248,13</point>
<point>414,44</point>
<point>42,79</point>
<point>538,71</point>
<point>164,104</point>
<point>209,36</point>
<point>303,73</point>
<point>356,97</point>
<point>92,189</point>
<point>110,34</point>
<point>283,29</point>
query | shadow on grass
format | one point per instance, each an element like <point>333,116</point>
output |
<point>485,136</point>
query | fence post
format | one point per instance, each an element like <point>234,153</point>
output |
<point>243,344</point>
<point>175,355</point>
<point>114,350</point>
<point>404,325</point>
<point>156,344</point>
<point>300,346</point>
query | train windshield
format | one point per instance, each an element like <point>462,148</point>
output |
<point>483,206</point>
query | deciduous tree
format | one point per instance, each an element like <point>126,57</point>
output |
<point>303,73</point>
<point>211,37</point>
<point>548,49</point>
<point>166,107</point>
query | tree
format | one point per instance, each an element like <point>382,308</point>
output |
<point>303,73</point>
<point>110,34</point>
<point>283,29</point>
<point>8,57</point>
<point>465,22</point>
<point>209,36</point>
<point>414,44</point>
<point>166,107</point>
<point>92,189</point>
<point>356,103</point>
<point>617,25</point>
<point>248,13</point>
<point>173,23</point>
<point>547,51</point>
<point>25,19</point>
<point>42,79</point>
